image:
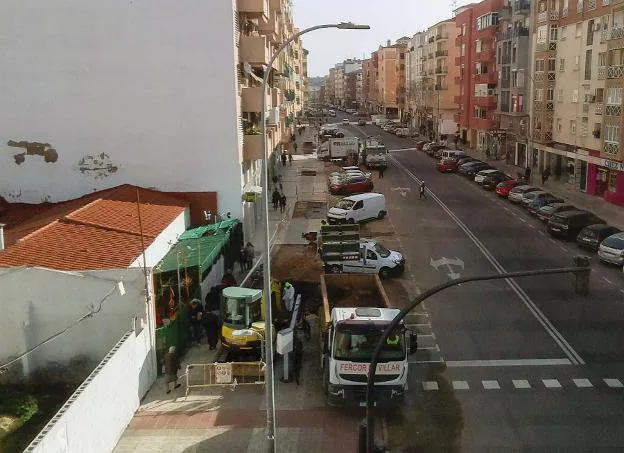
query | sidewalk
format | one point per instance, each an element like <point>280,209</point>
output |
<point>610,213</point>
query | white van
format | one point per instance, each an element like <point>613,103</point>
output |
<point>452,154</point>
<point>357,208</point>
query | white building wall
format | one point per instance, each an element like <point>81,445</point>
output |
<point>164,241</point>
<point>140,92</point>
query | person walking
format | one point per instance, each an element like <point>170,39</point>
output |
<point>297,358</point>
<point>295,147</point>
<point>423,191</point>
<point>288,297</point>
<point>282,203</point>
<point>250,252</point>
<point>171,365</point>
<point>275,198</point>
<point>195,316</point>
<point>290,157</point>
<point>527,174</point>
<point>381,172</point>
<point>284,159</point>
<point>211,324</point>
<point>242,258</point>
<point>545,175</point>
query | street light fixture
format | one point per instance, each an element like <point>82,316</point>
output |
<point>270,385</point>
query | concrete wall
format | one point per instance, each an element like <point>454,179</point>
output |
<point>38,303</point>
<point>96,415</point>
<point>141,92</point>
<point>163,243</point>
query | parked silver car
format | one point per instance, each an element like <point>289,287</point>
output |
<point>516,194</point>
<point>611,250</point>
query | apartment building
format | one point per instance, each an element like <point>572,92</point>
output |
<point>479,123</point>
<point>513,65</point>
<point>330,87</point>
<point>577,73</point>
<point>369,83</point>
<point>359,89</point>
<point>391,78</point>
<point>414,89</point>
<point>154,94</point>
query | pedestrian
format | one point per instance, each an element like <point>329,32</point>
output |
<point>249,251</point>
<point>545,175</point>
<point>195,317</point>
<point>297,358</point>
<point>423,192</point>
<point>211,324</point>
<point>381,172</point>
<point>288,297</point>
<point>275,198</point>
<point>282,203</point>
<point>295,147</point>
<point>228,279</point>
<point>527,174</point>
<point>290,157</point>
<point>284,159</point>
<point>171,365</point>
<point>242,258</point>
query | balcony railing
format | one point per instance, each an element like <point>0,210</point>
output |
<point>512,33</point>
<point>542,17</point>
<point>611,147</point>
<point>613,110</point>
<point>485,101</point>
<point>252,147</point>
<point>441,70</point>
<point>615,71</point>
<point>602,72</point>
<point>253,8</point>
<point>440,36</point>
<point>554,15</point>
<point>251,99</point>
<point>598,109</point>
<point>590,5</point>
<point>253,50</point>
<point>459,60</point>
<point>617,32</point>
<point>441,53</point>
<point>489,78</point>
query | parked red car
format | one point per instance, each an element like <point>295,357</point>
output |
<point>351,186</point>
<point>420,144</point>
<point>503,188</point>
<point>447,166</point>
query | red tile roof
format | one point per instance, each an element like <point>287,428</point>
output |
<point>97,231</point>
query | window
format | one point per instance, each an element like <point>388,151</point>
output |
<point>611,133</point>
<point>572,127</point>
<point>558,124</point>
<point>579,29</point>
<point>539,94</point>
<point>599,95</point>
<point>552,65</point>
<point>553,33</point>
<point>574,97</point>
<point>478,45</point>
<point>542,33</point>
<point>562,33</point>
<point>588,63</point>
<point>602,59</point>
<point>463,29</point>
<point>487,21</point>
<point>560,95</point>
<point>463,49</point>
<point>539,65</point>
<point>614,96</point>
<point>577,62</point>
<point>590,32</point>
<point>579,6</point>
<point>561,64</point>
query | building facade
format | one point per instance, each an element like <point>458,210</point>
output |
<point>478,120</point>
<point>390,74</point>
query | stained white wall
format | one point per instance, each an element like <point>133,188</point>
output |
<point>140,92</point>
<point>164,241</point>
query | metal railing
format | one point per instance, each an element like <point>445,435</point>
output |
<point>229,374</point>
<point>615,71</point>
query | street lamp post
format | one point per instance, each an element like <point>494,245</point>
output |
<point>268,326</point>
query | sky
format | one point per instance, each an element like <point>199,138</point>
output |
<point>389,19</point>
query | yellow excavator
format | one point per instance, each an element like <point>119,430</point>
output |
<point>243,312</point>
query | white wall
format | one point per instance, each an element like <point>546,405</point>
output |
<point>103,405</point>
<point>140,92</point>
<point>38,303</point>
<point>164,241</point>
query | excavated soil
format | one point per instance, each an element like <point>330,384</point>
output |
<point>295,262</point>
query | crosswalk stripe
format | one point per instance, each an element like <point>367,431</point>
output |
<point>491,385</point>
<point>521,384</point>
<point>582,383</point>
<point>551,383</point>
<point>613,383</point>
<point>430,385</point>
<point>460,385</point>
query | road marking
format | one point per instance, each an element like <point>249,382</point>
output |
<point>430,385</point>
<point>582,383</point>
<point>401,149</point>
<point>551,383</point>
<point>542,233</point>
<point>551,239</point>
<point>507,362</point>
<point>563,248</point>
<point>491,385</point>
<point>613,383</point>
<point>523,220</point>
<point>607,280</point>
<point>533,226</point>
<point>569,351</point>
<point>449,263</point>
<point>460,385</point>
<point>514,214</point>
<point>506,209</point>
<point>521,384</point>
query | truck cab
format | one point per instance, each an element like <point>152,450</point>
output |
<point>374,153</point>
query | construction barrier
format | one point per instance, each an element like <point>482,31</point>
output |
<point>232,374</point>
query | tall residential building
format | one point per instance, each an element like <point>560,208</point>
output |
<point>391,78</point>
<point>369,84</point>
<point>155,94</point>
<point>477,25</point>
<point>359,92</point>
<point>330,87</point>
<point>577,74</point>
<point>513,63</point>
<point>413,70</point>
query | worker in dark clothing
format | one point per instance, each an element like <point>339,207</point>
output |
<point>381,172</point>
<point>195,316</point>
<point>275,198</point>
<point>228,279</point>
<point>527,174</point>
<point>423,191</point>
<point>297,359</point>
<point>211,323</point>
<point>171,365</point>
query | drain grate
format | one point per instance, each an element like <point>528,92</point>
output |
<point>307,172</point>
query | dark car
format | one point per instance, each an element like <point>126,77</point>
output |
<point>361,122</point>
<point>491,181</point>
<point>472,168</point>
<point>540,200</point>
<point>420,144</point>
<point>465,160</point>
<point>433,148</point>
<point>569,224</point>
<point>545,212</point>
<point>591,236</point>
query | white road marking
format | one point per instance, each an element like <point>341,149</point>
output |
<point>491,385</point>
<point>449,263</point>
<point>607,280</point>
<point>430,385</point>
<point>506,209</point>
<point>537,313</point>
<point>523,220</point>
<point>613,383</point>
<point>507,362</point>
<point>533,226</point>
<point>521,384</point>
<point>550,239</point>
<point>622,291</point>
<point>542,233</point>
<point>563,248</point>
<point>514,214</point>
<point>582,383</point>
<point>460,385</point>
<point>551,383</point>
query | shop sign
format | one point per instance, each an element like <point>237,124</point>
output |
<point>613,165</point>
<point>250,197</point>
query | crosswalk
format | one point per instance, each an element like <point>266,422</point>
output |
<point>428,350</point>
<point>521,384</point>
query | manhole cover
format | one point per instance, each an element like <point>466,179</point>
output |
<point>307,172</point>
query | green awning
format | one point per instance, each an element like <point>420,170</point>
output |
<point>195,233</point>
<point>202,251</point>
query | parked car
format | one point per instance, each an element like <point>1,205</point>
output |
<point>492,180</point>
<point>540,200</point>
<point>419,144</point>
<point>447,165</point>
<point>528,197</point>
<point>545,212</point>
<point>465,160</point>
<point>591,236</point>
<point>611,249</point>
<point>504,187</point>
<point>518,192</point>
<point>358,208</point>
<point>472,168</point>
<point>433,148</point>
<point>345,121</point>
<point>569,224</point>
<point>361,122</point>
<point>351,185</point>
<point>480,176</point>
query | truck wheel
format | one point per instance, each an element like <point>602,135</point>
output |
<point>381,215</point>
<point>350,221</point>
<point>384,272</point>
<point>335,269</point>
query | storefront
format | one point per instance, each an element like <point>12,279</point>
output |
<point>608,180</point>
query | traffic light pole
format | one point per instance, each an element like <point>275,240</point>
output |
<point>582,272</point>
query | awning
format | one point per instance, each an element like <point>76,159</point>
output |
<point>195,233</point>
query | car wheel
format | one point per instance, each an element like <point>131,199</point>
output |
<point>350,221</point>
<point>381,215</point>
<point>384,272</point>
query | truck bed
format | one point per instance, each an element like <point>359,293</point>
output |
<point>295,262</point>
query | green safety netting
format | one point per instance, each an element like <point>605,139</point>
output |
<point>198,232</point>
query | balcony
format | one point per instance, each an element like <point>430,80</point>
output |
<point>615,71</point>
<point>617,33</point>
<point>483,124</point>
<point>459,60</point>
<point>521,6</point>
<point>254,8</point>
<point>251,99</point>
<point>553,15</point>
<point>273,117</point>
<point>489,78</point>
<point>441,36</point>
<point>486,55</point>
<point>486,34</point>
<point>253,50</point>
<point>441,70</point>
<point>441,53</point>
<point>542,17</point>
<point>598,109</point>
<point>512,33</point>
<point>276,5</point>
<point>276,97</point>
<point>270,28</point>
<point>485,101</point>
<point>431,39</point>
<point>613,110</point>
<point>252,147</point>
<point>611,147</point>
<point>602,72</point>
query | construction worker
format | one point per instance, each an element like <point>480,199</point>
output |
<point>289,297</point>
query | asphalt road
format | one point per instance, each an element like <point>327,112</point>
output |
<point>525,365</point>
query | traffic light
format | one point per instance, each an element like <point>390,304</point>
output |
<point>581,278</point>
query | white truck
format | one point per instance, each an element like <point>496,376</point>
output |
<point>338,148</point>
<point>355,312</point>
<point>378,120</point>
<point>343,251</point>
<point>374,153</point>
